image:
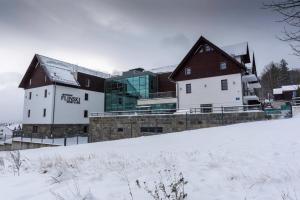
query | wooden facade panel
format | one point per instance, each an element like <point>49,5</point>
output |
<point>207,64</point>
<point>164,84</point>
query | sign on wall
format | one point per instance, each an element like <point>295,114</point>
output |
<point>69,98</point>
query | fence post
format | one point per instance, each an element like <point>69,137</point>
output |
<point>222,116</point>
<point>186,126</point>
<point>65,141</point>
<point>31,137</point>
<point>77,138</point>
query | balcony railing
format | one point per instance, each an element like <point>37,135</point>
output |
<point>171,94</point>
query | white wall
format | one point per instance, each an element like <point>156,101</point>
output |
<point>65,113</point>
<point>212,93</point>
<point>69,113</point>
<point>36,105</point>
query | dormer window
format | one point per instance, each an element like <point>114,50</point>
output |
<point>88,83</point>
<point>223,65</point>
<point>188,71</point>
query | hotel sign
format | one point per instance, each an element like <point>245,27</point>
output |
<point>69,98</point>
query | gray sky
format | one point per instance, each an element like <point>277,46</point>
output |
<point>110,35</point>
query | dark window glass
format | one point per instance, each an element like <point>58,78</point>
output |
<point>206,108</point>
<point>224,84</point>
<point>85,129</point>
<point>86,96</point>
<point>34,129</point>
<point>44,112</point>
<point>28,113</point>
<point>188,88</point>
<point>120,100</point>
<point>30,94</point>
<point>120,129</point>
<point>45,94</point>
<point>86,114</point>
<point>152,129</point>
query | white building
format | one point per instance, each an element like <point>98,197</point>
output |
<point>59,97</point>
<point>210,76</point>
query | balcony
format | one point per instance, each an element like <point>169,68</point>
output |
<point>158,98</point>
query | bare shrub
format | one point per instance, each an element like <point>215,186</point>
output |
<point>2,163</point>
<point>16,161</point>
<point>169,187</point>
<point>73,194</point>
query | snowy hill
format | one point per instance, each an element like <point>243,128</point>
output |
<point>258,160</point>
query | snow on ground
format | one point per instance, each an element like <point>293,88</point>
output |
<point>258,160</point>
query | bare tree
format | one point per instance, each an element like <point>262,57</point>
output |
<point>16,161</point>
<point>289,10</point>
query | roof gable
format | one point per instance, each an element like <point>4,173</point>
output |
<point>195,49</point>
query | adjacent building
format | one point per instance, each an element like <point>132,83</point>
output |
<point>286,92</point>
<point>59,97</point>
<point>209,76</point>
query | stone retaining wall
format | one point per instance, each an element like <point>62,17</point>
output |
<point>119,127</point>
<point>58,130</point>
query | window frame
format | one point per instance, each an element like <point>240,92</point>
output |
<point>45,93</point>
<point>85,113</point>
<point>188,71</point>
<point>88,83</point>
<point>86,96</point>
<point>44,112</point>
<point>30,95</point>
<point>28,113</point>
<point>224,87</point>
<point>223,64</point>
<point>188,88</point>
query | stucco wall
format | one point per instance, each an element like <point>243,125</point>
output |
<point>118,127</point>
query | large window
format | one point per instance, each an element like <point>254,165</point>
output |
<point>188,88</point>
<point>224,84</point>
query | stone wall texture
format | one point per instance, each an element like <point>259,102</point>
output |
<point>58,130</point>
<point>118,127</point>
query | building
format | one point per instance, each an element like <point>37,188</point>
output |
<point>59,97</point>
<point>209,76</point>
<point>286,92</point>
<point>138,89</point>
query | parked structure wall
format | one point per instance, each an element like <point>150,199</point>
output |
<point>119,127</point>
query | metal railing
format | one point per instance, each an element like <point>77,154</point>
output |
<point>296,101</point>
<point>195,110</point>
<point>170,94</point>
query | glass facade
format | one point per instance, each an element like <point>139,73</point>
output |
<point>122,92</point>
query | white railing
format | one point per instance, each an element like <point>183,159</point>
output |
<point>296,101</point>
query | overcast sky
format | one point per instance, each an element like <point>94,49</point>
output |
<point>110,35</point>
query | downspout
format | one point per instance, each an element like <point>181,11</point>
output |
<point>53,108</point>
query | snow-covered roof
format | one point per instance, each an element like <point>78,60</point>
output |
<point>165,69</point>
<point>64,72</point>
<point>236,49</point>
<point>285,88</point>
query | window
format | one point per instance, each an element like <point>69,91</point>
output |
<point>45,93</point>
<point>188,88</point>
<point>223,65</point>
<point>188,71</point>
<point>206,108</point>
<point>88,83</point>
<point>152,129</point>
<point>45,79</point>
<point>44,112</point>
<point>34,129</point>
<point>30,82</point>
<point>120,129</point>
<point>30,94</point>
<point>85,129</point>
<point>224,84</point>
<point>85,114</point>
<point>28,113</point>
<point>86,96</point>
<point>120,100</point>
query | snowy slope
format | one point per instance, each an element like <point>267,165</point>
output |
<point>257,160</point>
